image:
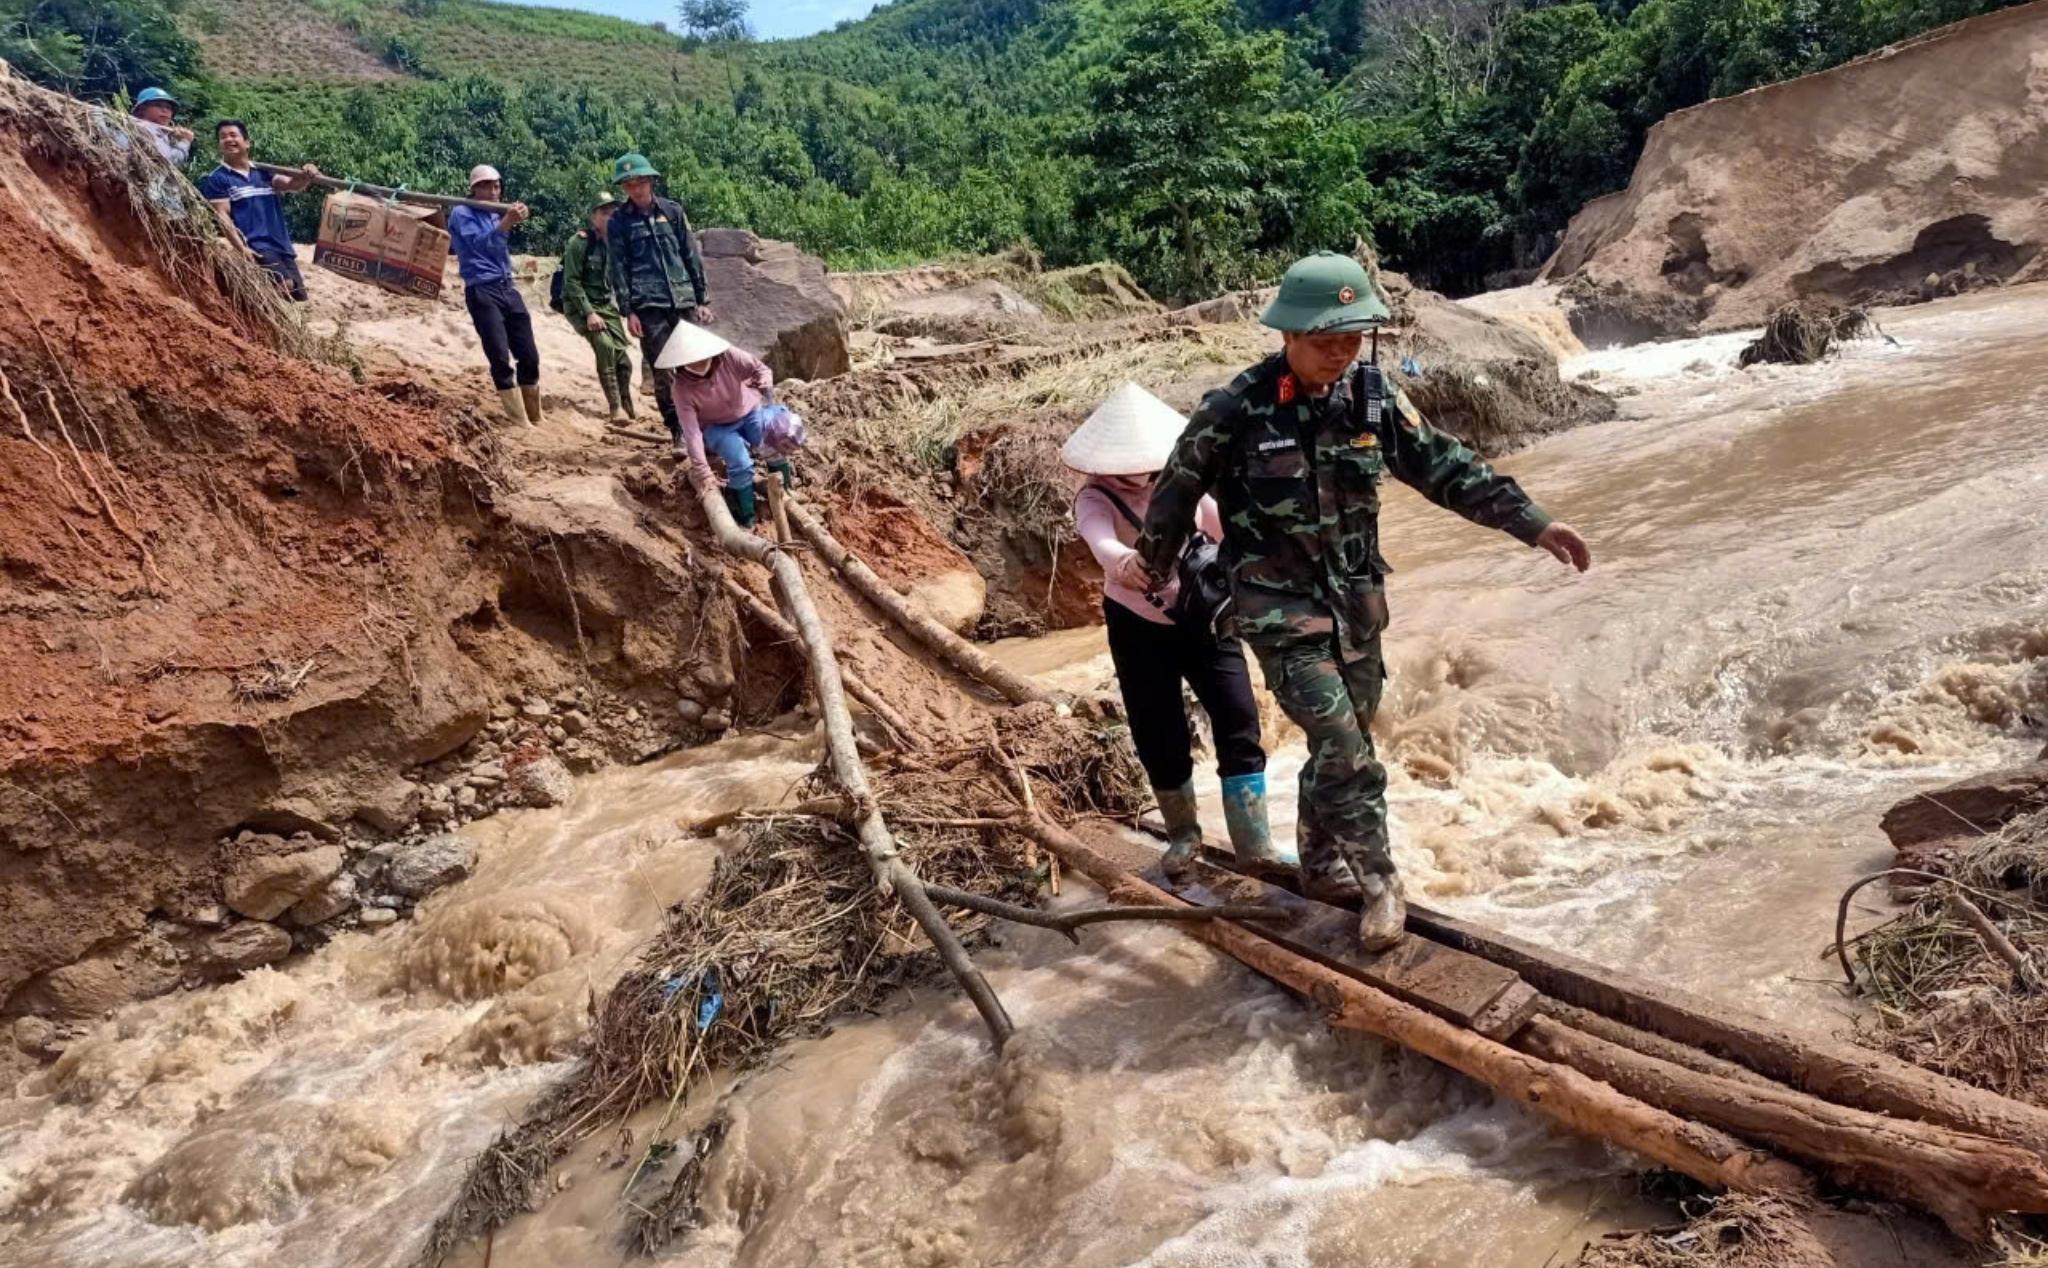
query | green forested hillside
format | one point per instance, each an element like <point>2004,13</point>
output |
<point>1199,142</point>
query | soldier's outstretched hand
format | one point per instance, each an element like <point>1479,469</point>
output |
<point>1563,541</point>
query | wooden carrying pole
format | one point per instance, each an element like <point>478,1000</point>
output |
<point>957,652</point>
<point>1560,1093</point>
<point>843,756</point>
<point>384,191</point>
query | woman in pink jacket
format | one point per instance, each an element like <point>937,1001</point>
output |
<point>1121,448</point>
<point>722,399</point>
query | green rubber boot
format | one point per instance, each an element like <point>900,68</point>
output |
<point>1251,837</point>
<point>741,503</point>
<point>1183,827</point>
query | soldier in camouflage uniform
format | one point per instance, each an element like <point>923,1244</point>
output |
<point>1295,450</point>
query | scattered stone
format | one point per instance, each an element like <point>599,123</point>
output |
<point>544,781</point>
<point>690,710</point>
<point>490,770</point>
<point>37,1037</point>
<point>137,968</point>
<point>377,917</point>
<point>568,699</point>
<point>436,812</point>
<point>502,712</point>
<point>632,716</point>
<point>555,734</point>
<point>717,720</point>
<point>575,723</point>
<point>239,948</point>
<point>392,808</point>
<point>332,899</point>
<point>264,886</point>
<point>465,798</point>
<point>536,709</point>
<point>425,866</point>
<point>483,782</point>
<point>581,758</point>
<point>206,915</point>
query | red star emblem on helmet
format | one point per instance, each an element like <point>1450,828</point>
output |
<point>1346,295</point>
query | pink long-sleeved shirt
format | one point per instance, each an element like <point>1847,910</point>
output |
<point>734,388</point>
<point>1112,538</point>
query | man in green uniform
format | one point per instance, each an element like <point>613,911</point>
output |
<point>587,303</point>
<point>1295,450</point>
<point>657,273</point>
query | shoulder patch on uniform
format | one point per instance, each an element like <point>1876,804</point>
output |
<point>1405,410</point>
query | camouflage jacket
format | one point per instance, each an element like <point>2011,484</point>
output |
<point>1298,480</point>
<point>652,257</point>
<point>586,288</point>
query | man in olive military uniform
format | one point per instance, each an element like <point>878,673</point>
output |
<point>587,303</point>
<point>1295,450</point>
<point>657,273</point>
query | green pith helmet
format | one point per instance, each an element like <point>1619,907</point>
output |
<point>631,165</point>
<point>1326,294</point>
<point>602,200</point>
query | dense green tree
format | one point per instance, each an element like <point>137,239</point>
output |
<point>96,48</point>
<point>1181,127</point>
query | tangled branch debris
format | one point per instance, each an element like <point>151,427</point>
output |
<point>1947,997</point>
<point>1805,331</point>
<point>1736,1230</point>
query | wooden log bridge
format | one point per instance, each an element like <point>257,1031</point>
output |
<point>1866,1121</point>
<point>1727,1099</point>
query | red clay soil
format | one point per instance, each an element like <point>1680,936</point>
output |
<point>895,539</point>
<point>237,590</point>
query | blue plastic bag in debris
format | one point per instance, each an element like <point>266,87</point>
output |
<point>711,1002</point>
<point>1411,367</point>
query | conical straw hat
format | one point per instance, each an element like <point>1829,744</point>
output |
<point>688,345</point>
<point>1131,433</point>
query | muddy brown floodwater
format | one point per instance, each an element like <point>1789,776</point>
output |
<point>1817,589</point>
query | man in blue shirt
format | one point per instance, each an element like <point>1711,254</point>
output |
<point>246,202</point>
<point>478,239</point>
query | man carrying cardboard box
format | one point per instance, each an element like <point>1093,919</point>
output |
<point>496,309</point>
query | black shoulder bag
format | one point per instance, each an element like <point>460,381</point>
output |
<point>1204,602</point>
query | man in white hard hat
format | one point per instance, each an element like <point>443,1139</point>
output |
<point>721,399</point>
<point>480,240</point>
<point>1157,642</point>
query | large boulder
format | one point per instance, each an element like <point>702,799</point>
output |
<point>1929,827</point>
<point>420,868</point>
<point>263,886</point>
<point>774,301</point>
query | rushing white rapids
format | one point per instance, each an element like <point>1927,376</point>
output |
<point>1816,589</point>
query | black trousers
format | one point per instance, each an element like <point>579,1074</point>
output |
<point>502,322</point>
<point>656,325</point>
<point>1152,661</point>
<point>285,268</point>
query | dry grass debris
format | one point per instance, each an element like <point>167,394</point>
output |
<point>1732,1231</point>
<point>1805,331</point>
<point>1944,1000</point>
<point>792,936</point>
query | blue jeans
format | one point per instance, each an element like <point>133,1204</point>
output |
<point>733,444</point>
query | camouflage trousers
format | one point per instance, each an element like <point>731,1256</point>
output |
<point>1332,697</point>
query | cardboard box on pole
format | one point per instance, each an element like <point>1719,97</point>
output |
<point>393,245</point>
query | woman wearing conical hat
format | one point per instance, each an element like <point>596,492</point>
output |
<point>1120,449</point>
<point>721,396</point>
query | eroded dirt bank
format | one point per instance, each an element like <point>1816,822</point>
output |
<point>238,591</point>
<point>1910,173</point>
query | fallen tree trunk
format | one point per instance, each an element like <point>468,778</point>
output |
<point>1559,1093</point>
<point>1817,1064</point>
<point>906,735</point>
<point>891,872</point>
<point>1955,1175</point>
<point>1824,1067</point>
<point>936,638</point>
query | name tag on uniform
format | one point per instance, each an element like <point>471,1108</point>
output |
<point>1274,446</point>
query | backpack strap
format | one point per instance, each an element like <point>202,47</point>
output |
<point>1118,503</point>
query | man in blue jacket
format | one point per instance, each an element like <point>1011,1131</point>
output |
<point>479,241</point>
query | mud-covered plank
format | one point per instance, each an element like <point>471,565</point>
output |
<point>1457,987</point>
